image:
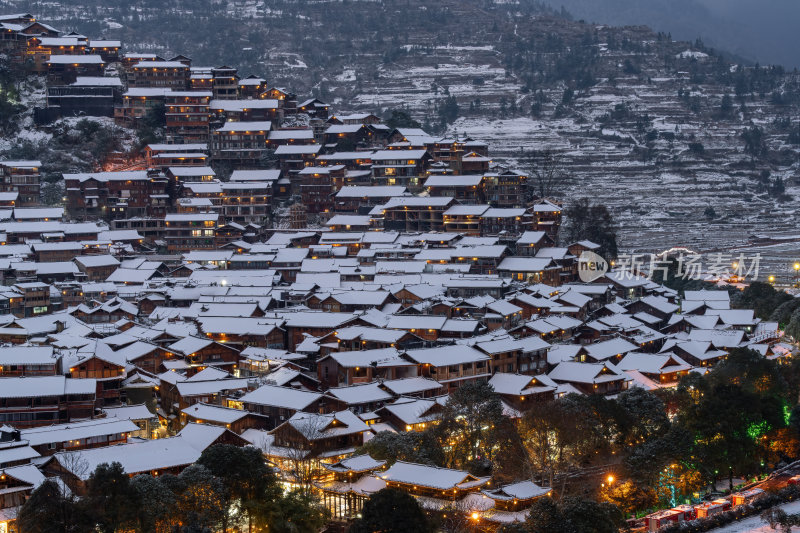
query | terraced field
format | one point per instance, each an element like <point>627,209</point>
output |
<point>643,135</point>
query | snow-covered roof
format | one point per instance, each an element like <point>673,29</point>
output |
<point>255,175</point>
<point>521,385</point>
<point>412,385</point>
<point>87,429</point>
<point>129,412</point>
<point>447,355</point>
<point>42,386</point>
<point>274,396</point>
<point>707,296</point>
<point>298,149</point>
<point>243,105</point>
<point>305,134</point>
<point>381,357</point>
<point>160,64</point>
<point>69,59</point>
<point>589,373</point>
<point>214,413</point>
<point>431,476</point>
<point>192,171</point>
<point>97,81</point>
<point>27,355</point>
<point>521,490</point>
<point>378,191</point>
<point>355,464</point>
<point>360,393</point>
<point>246,127</point>
<point>650,363</point>
<point>135,457</point>
<point>610,348</point>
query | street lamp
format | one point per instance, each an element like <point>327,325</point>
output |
<point>610,479</point>
<point>771,279</point>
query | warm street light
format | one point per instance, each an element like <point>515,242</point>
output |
<point>771,279</point>
<point>610,479</point>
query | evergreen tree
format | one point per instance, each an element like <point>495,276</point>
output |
<point>250,487</point>
<point>391,511</point>
<point>110,498</point>
<point>155,503</point>
<point>49,510</point>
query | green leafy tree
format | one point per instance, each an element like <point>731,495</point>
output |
<point>754,143</point>
<point>10,107</point>
<point>200,499</point>
<point>629,496</point>
<point>413,446</point>
<point>110,498</point>
<point>151,126</point>
<point>299,512</point>
<point>155,503</point>
<point>761,297</point>
<point>587,516</point>
<point>752,371</point>
<point>793,327</point>
<point>561,435</point>
<point>644,416</point>
<point>399,118</point>
<point>250,487</point>
<point>573,515</point>
<point>545,516</point>
<point>729,424</point>
<point>597,419</point>
<point>726,108</point>
<point>647,460</point>
<point>49,510</point>
<point>467,423</point>
<point>509,462</point>
<point>448,110</point>
<point>391,511</point>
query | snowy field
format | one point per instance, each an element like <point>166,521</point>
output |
<point>754,524</point>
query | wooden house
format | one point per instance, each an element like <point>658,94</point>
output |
<point>107,372</point>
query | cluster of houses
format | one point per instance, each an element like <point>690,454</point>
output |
<point>168,309</point>
<point>309,343</point>
<point>349,164</point>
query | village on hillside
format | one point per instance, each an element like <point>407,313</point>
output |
<point>369,306</point>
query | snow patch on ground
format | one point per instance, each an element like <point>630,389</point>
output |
<point>691,54</point>
<point>347,75</point>
<point>754,524</point>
